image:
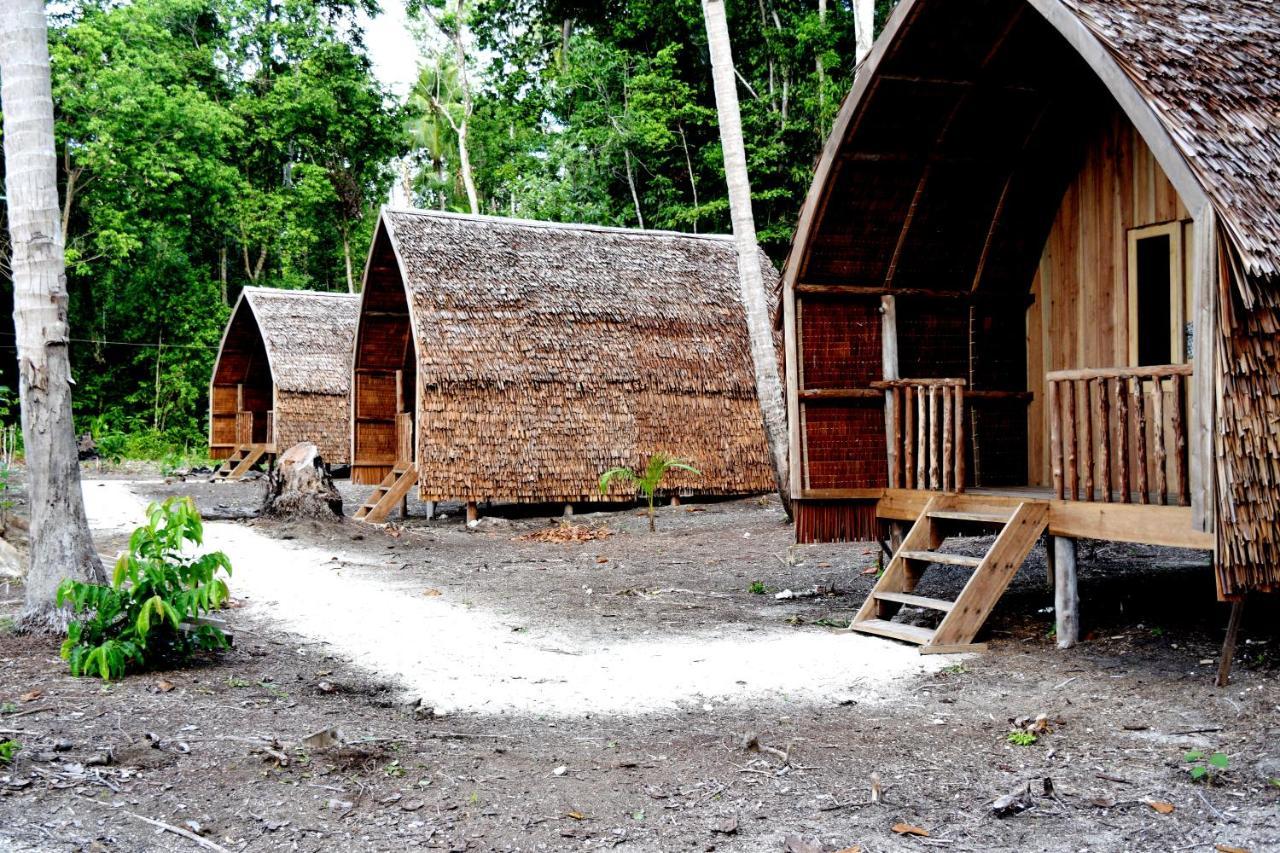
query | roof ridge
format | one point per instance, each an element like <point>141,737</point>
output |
<point>255,288</point>
<point>564,226</point>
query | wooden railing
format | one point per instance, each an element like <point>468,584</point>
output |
<point>404,437</point>
<point>244,428</point>
<point>924,421</point>
<point>271,427</point>
<point>1117,434</point>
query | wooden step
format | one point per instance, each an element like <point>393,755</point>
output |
<point>916,600</point>
<point>941,558</point>
<point>894,630</point>
<point>982,516</point>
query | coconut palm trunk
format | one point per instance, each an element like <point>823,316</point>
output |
<point>61,546</point>
<point>754,297</point>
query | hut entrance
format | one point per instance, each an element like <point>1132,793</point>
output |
<point>386,373</point>
<point>243,394</point>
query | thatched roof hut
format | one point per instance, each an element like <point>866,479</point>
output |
<point>283,373</point>
<point>1070,210</point>
<point>532,356</point>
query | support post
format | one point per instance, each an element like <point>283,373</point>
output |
<point>675,500</point>
<point>1066,595</point>
<point>1049,558</point>
<point>431,509</point>
<point>889,369</point>
<point>897,532</point>
<point>568,510</point>
<point>404,507</point>
<point>1229,643</point>
<point>473,512</point>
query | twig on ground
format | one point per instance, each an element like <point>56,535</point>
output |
<point>177,830</point>
<point>1214,809</point>
<point>30,711</point>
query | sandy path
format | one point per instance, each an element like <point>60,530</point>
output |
<point>464,659</point>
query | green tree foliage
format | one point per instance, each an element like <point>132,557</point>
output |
<point>205,145</point>
<point>603,111</point>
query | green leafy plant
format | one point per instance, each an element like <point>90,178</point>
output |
<point>1021,738</point>
<point>151,611</point>
<point>648,482</point>
<point>8,749</point>
<point>1206,768</point>
<point>757,588</point>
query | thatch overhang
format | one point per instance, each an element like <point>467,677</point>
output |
<point>946,169</point>
<point>287,352</point>
<point>536,355</point>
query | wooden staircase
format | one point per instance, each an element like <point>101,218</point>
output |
<point>240,462</point>
<point>388,494</point>
<point>1020,528</point>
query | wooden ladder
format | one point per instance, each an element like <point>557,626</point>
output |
<point>389,492</point>
<point>239,462</point>
<point>1020,529</point>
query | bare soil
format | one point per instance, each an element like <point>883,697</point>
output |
<point>217,749</point>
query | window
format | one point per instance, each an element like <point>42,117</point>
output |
<point>1156,295</point>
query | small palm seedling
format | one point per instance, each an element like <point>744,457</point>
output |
<point>648,482</point>
<point>1206,768</point>
<point>151,611</point>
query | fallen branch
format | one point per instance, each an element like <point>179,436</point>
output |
<point>177,830</point>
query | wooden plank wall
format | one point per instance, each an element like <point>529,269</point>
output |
<point>1080,314</point>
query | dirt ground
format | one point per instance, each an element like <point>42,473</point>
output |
<point>217,750</point>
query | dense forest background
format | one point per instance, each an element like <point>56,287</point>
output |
<point>205,145</point>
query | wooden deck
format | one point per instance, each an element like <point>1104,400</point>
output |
<point>1146,524</point>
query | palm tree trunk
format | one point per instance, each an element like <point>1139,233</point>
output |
<point>864,21</point>
<point>756,301</point>
<point>61,546</point>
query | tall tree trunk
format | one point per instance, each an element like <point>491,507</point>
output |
<point>864,20</point>
<point>346,258</point>
<point>631,183</point>
<point>754,297</point>
<point>821,69</point>
<point>464,153</point>
<point>61,546</point>
<point>693,181</point>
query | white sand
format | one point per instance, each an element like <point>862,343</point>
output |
<point>458,658</point>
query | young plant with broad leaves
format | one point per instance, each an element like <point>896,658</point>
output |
<point>648,482</point>
<point>150,613</point>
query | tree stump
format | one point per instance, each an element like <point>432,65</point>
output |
<point>299,486</point>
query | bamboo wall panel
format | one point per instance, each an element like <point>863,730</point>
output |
<point>322,419</point>
<point>1079,318</point>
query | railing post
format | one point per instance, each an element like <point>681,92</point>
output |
<point>1055,438</point>
<point>960,461</point>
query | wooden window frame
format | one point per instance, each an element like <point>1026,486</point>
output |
<point>1177,287</point>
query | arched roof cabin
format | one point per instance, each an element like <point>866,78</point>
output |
<point>283,373</point>
<point>515,361</point>
<point>1040,260</point>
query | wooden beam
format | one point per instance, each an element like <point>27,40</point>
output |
<point>1201,458</point>
<point>889,370</point>
<point>872,292</point>
<point>1160,370</point>
<point>1229,643</point>
<point>1066,593</point>
<point>841,394</point>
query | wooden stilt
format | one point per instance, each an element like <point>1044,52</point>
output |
<point>404,507</point>
<point>431,510</point>
<point>897,530</point>
<point>675,500</point>
<point>1049,560</point>
<point>1229,643</point>
<point>568,510</point>
<point>473,512</point>
<point>1066,595</point>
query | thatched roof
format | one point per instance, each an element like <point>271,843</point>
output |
<point>547,352</point>
<point>308,337</point>
<point>503,302</point>
<point>1211,71</point>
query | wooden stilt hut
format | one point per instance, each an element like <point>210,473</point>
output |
<point>514,361</point>
<point>283,375</point>
<point>1036,287</point>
